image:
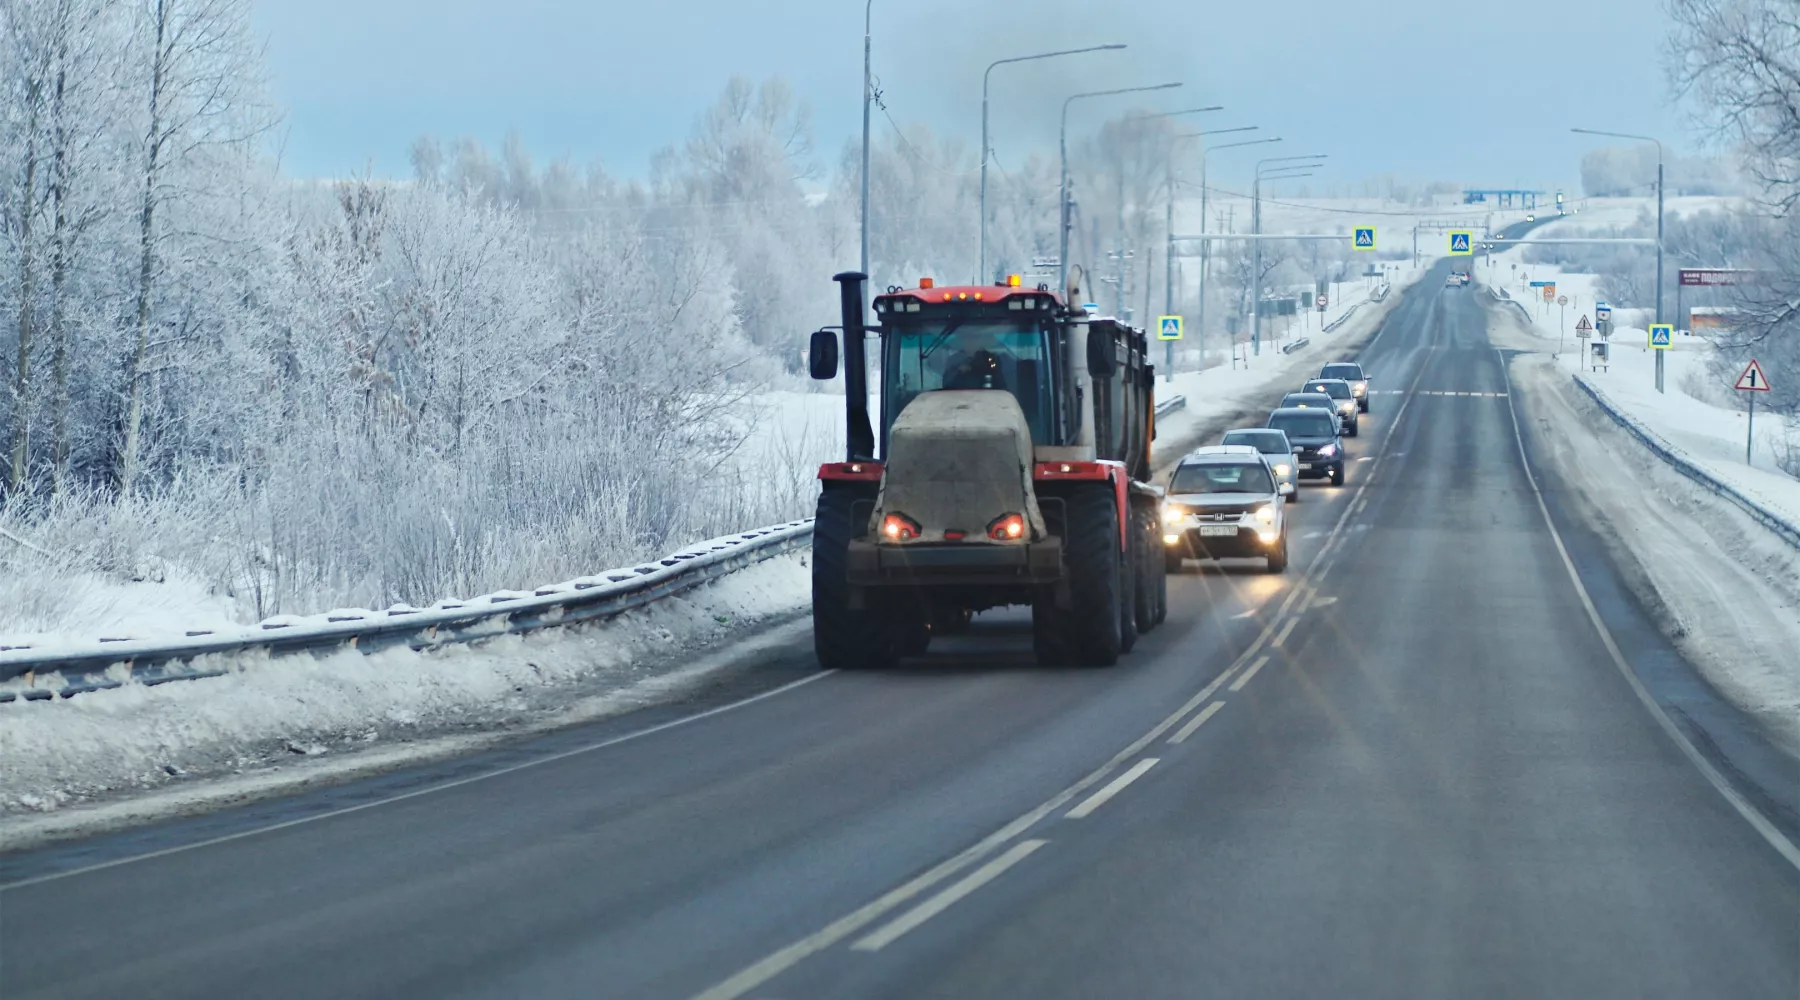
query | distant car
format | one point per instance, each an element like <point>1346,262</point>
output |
<point>1223,503</point>
<point>1466,278</point>
<point>1277,449</point>
<point>1455,280</point>
<point>1340,393</point>
<point>1318,451</point>
<point>1531,218</point>
<point>1352,373</point>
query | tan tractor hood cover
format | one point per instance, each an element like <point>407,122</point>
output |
<point>958,459</point>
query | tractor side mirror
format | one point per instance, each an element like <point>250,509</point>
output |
<point>822,355</point>
<point>1102,352</point>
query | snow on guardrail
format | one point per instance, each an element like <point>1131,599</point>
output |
<point>68,668</point>
<point>1676,459</point>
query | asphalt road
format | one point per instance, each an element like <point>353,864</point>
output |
<point>1425,776</point>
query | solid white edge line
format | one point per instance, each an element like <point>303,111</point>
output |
<point>1243,679</point>
<point>420,792</point>
<point>1197,721</point>
<point>956,891</point>
<point>1749,812</point>
<point>1113,787</point>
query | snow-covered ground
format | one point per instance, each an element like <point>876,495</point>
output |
<point>1726,588</point>
<point>275,724</point>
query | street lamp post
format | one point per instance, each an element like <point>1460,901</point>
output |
<point>982,276</point>
<point>1256,230</point>
<point>1169,168</point>
<point>868,99</point>
<point>1062,190</point>
<point>1206,245</point>
<point>1169,233</point>
<point>1659,227</point>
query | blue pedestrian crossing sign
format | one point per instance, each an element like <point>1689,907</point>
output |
<point>1461,244</point>
<point>1363,238</point>
<point>1662,336</point>
<point>1168,328</point>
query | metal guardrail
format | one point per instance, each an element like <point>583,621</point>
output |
<point>1170,405</point>
<point>1788,530</point>
<point>1332,326</point>
<point>1296,345</point>
<point>30,673</point>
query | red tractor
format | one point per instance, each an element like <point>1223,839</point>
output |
<point>1013,468</point>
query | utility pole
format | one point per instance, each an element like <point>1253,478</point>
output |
<point>868,99</point>
<point>1169,249</point>
<point>1659,228</point>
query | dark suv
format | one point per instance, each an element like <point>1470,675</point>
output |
<point>1318,451</point>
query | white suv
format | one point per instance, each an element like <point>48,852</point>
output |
<point>1223,502</point>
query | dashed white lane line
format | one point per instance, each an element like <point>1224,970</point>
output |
<point>1244,614</point>
<point>944,900</point>
<point>1238,685</point>
<point>1113,787</point>
<point>1366,458</point>
<point>1200,720</point>
<point>1281,636</point>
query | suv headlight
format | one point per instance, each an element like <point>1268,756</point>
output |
<point>1266,514</point>
<point>1173,514</point>
<point>1327,451</point>
<point>1283,469</point>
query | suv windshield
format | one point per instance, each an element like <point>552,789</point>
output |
<point>1347,372</point>
<point>970,355</point>
<point>1303,424</point>
<point>1219,477</point>
<point>1267,442</point>
<point>1334,389</point>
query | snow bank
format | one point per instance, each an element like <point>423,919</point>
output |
<point>265,714</point>
<point>1726,589</point>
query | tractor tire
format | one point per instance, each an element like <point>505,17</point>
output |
<point>1162,576</point>
<point>1131,581</point>
<point>1143,606</point>
<point>1091,553</point>
<point>1051,638</point>
<point>845,638</point>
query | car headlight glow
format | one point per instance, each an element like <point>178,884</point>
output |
<point>1173,515</point>
<point>1268,537</point>
<point>1328,451</point>
<point>1360,388</point>
<point>1266,514</point>
<point>1284,469</point>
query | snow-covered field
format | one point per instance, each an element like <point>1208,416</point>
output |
<point>270,726</point>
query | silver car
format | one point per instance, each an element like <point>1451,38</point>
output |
<point>1274,446</point>
<point>1222,503</point>
<point>1343,396</point>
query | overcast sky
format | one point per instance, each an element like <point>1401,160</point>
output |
<point>1479,93</point>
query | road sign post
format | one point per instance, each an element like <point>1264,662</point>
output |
<point>1751,381</point>
<point>1662,337</point>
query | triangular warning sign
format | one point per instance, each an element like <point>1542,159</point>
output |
<point>1753,379</point>
<point>1584,324</point>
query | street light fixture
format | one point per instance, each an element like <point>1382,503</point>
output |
<point>1659,227</point>
<point>983,275</point>
<point>1293,163</point>
<point>1062,190</point>
<point>1169,230</point>
<point>1206,245</point>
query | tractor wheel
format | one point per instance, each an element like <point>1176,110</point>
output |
<point>1091,552</point>
<point>845,638</point>
<point>1051,638</point>
<point>1143,573</point>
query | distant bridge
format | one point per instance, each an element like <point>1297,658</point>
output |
<point>1506,197</point>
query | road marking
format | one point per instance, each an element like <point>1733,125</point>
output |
<point>944,900</point>
<point>1770,833</point>
<point>1245,614</point>
<point>1197,721</point>
<point>1286,630</point>
<point>1113,787</point>
<point>1243,679</point>
<point>1365,458</point>
<point>428,790</point>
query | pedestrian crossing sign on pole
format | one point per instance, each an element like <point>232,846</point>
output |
<point>1662,336</point>
<point>1168,328</point>
<point>1363,238</point>
<point>1461,244</point>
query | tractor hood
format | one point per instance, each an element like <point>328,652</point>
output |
<point>956,461</point>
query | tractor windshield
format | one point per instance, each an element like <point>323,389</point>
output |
<point>973,354</point>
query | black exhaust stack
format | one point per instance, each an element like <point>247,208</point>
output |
<point>856,367</point>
